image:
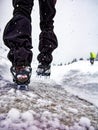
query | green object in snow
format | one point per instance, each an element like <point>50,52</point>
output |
<point>92,55</point>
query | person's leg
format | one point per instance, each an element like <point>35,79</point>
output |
<point>17,34</point>
<point>17,37</point>
<point>47,39</point>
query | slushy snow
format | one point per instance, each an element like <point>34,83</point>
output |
<point>51,104</point>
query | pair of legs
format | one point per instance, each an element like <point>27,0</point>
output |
<point>17,33</point>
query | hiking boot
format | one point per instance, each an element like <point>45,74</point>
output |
<point>21,74</point>
<point>43,70</point>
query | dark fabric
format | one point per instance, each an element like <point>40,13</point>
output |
<point>47,39</point>
<point>20,57</point>
<point>17,36</point>
<point>23,7</point>
<point>47,43</point>
<point>47,13</point>
<point>17,33</point>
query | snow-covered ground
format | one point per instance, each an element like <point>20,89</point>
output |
<point>69,99</point>
<point>80,78</point>
<point>66,101</point>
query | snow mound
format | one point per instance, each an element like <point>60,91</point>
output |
<point>46,121</point>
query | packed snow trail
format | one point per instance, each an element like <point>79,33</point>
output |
<point>46,106</point>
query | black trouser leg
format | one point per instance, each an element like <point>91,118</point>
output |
<point>17,33</point>
<point>47,39</point>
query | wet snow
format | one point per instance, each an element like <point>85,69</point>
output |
<point>51,104</point>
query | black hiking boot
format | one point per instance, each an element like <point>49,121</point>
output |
<point>43,70</point>
<point>21,74</point>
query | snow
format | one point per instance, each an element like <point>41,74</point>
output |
<point>84,122</point>
<point>73,110</point>
<point>80,79</point>
<point>41,102</point>
<point>13,114</point>
<point>63,102</point>
<point>26,121</point>
<point>66,101</point>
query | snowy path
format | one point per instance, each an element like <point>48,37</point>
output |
<point>47,106</point>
